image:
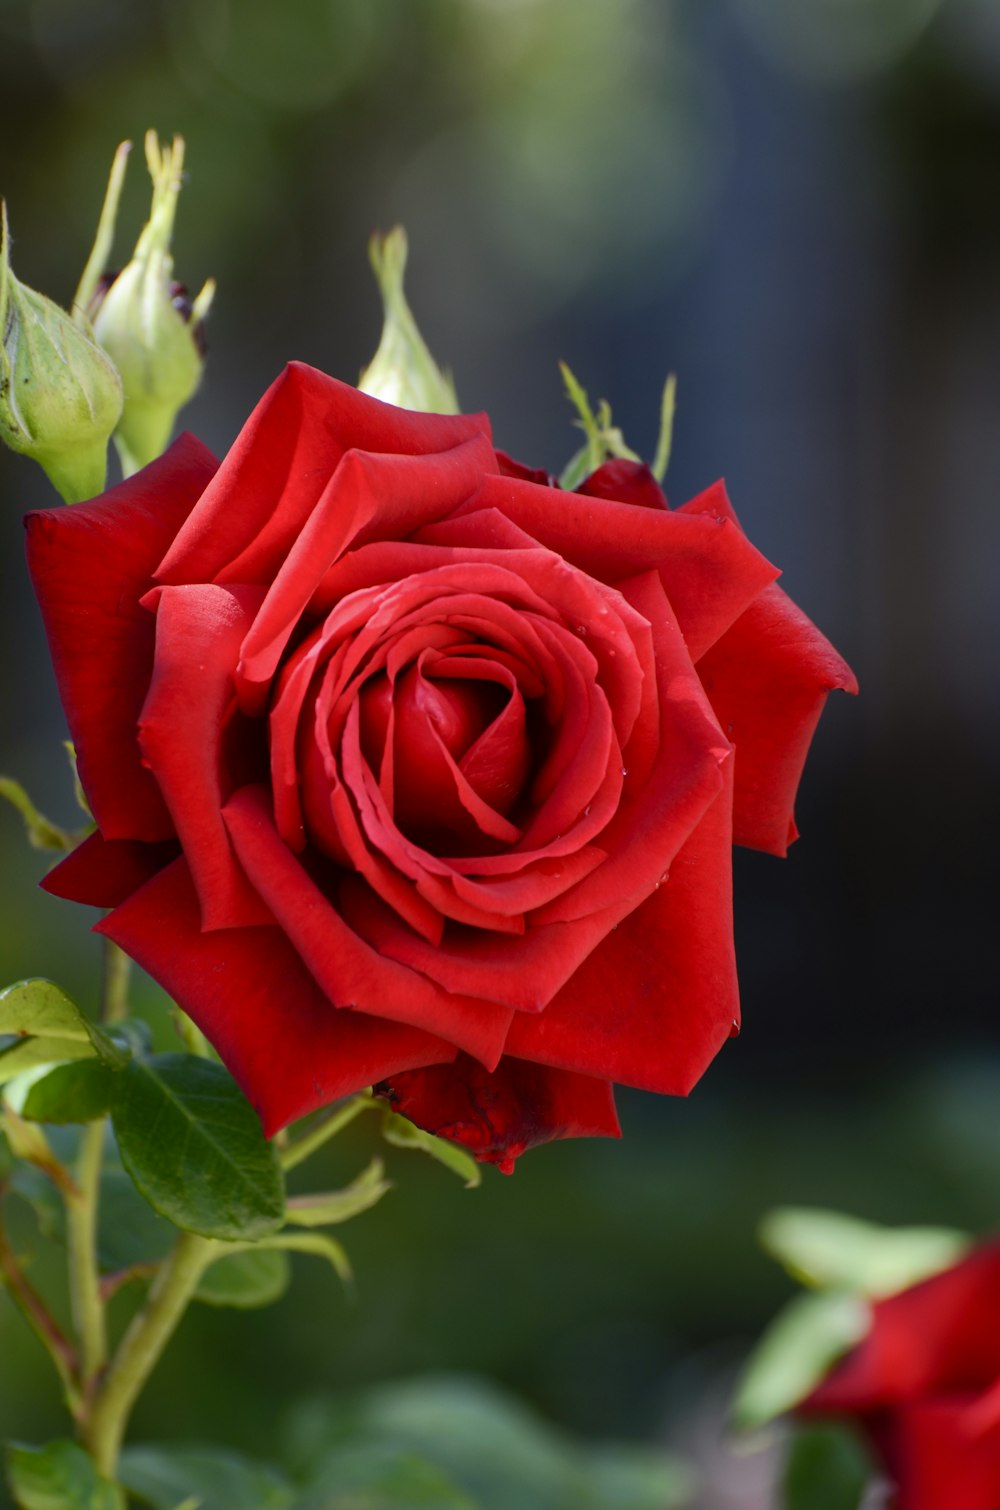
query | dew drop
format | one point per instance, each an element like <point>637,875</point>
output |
<point>586,811</point>
<point>624,770</point>
<point>581,629</point>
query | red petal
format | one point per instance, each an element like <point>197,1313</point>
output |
<point>351,974</point>
<point>940,1335</point>
<point>654,1003</point>
<point>709,569</point>
<point>767,679</point>
<point>91,564</point>
<point>937,1462</point>
<point>248,991</point>
<point>498,1116</point>
<point>627,482</point>
<point>280,464</point>
<point>182,727</point>
<point>103,872</point>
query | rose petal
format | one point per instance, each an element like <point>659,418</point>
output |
<point>349,972</point>
<point>285,1044</point>
<point>709,569</point>
<point>103,872</point>
<point>367,495</point>
<point>942,1334</point>
<point>767,679</point>
<point>91,564</point>
<point>627,482</point>
<point>199,630</point>
<point>498,1116</point>
<point>280,464</point>
<point>654,1003</point>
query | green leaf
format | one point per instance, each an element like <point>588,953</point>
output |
<point>635,1478</point>
<point>401,1133</point>
<point>38,1010</point>
<point>828,1249</point>
<point>194,1147</point>
<point>796,1352</point>
<point>378,1476</point>
<point>247,1280</point>
<point>59,1476</point>
<point>78,1092</point>
<point>827,1469</point>
<point>130,1235</point>
<point>216,1480</point>
<point>340,1205</point>
<point>500,1453</point>
<point>30,1053</point>
<point>42,834</point>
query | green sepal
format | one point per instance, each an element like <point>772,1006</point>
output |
<point>193,1145</point>
<point>247,1280</point>
<point>401,1133</point>
<point>59,1476</point>
<point>340,1205</point>
<point>828,1249</point>
<point>796,1351</point>
<point>382,1476</point>
<point>41,832</point>
<point>318,1245</point>
<point>77,1092</point>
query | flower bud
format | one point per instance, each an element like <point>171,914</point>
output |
<point>145,322</point>
<point>402,371</point>
<point>60,397</point>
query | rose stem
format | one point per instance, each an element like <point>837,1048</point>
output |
<point>141,1347</point>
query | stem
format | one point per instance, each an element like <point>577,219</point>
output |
<point>81,1233</point>
<point>296,1152</point>
<point>41,1321</point>
<point>141,1348</point>
<point>117,967</point>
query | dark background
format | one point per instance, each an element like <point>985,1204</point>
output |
<point>795,204</point>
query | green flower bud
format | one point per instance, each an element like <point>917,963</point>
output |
<point>150,332</point>
<point>402,371</point>
<point>60,397</point>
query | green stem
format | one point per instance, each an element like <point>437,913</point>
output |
<point>117,967</point>
<point>296,1152</point>
<point>81,1233</point>
<point>141,1348</point>
<point>38,1316</point>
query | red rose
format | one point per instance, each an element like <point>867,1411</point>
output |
<point>925,1385</point>
<point>409,771</point>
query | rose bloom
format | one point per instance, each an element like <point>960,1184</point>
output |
<point>925,1387</point>
<point>411,770</point>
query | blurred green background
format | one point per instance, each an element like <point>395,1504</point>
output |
<point>795,204</point>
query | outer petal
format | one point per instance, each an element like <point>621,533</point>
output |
<point>182,731</point>
<point>767,679</point>
<point>709,569</point>
<point>91,564</point>
<point>498,1116</point>
<point>103,872</point>
<point>280,464</point>
<point>250,994</point>
<point>654,1003</point>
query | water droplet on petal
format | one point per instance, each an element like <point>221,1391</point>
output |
<point>624,770</point>
<point>581,629</point>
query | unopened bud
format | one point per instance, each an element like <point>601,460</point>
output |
<point>60,397</point>
<point>144,320</point>
<point>402,371</point>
